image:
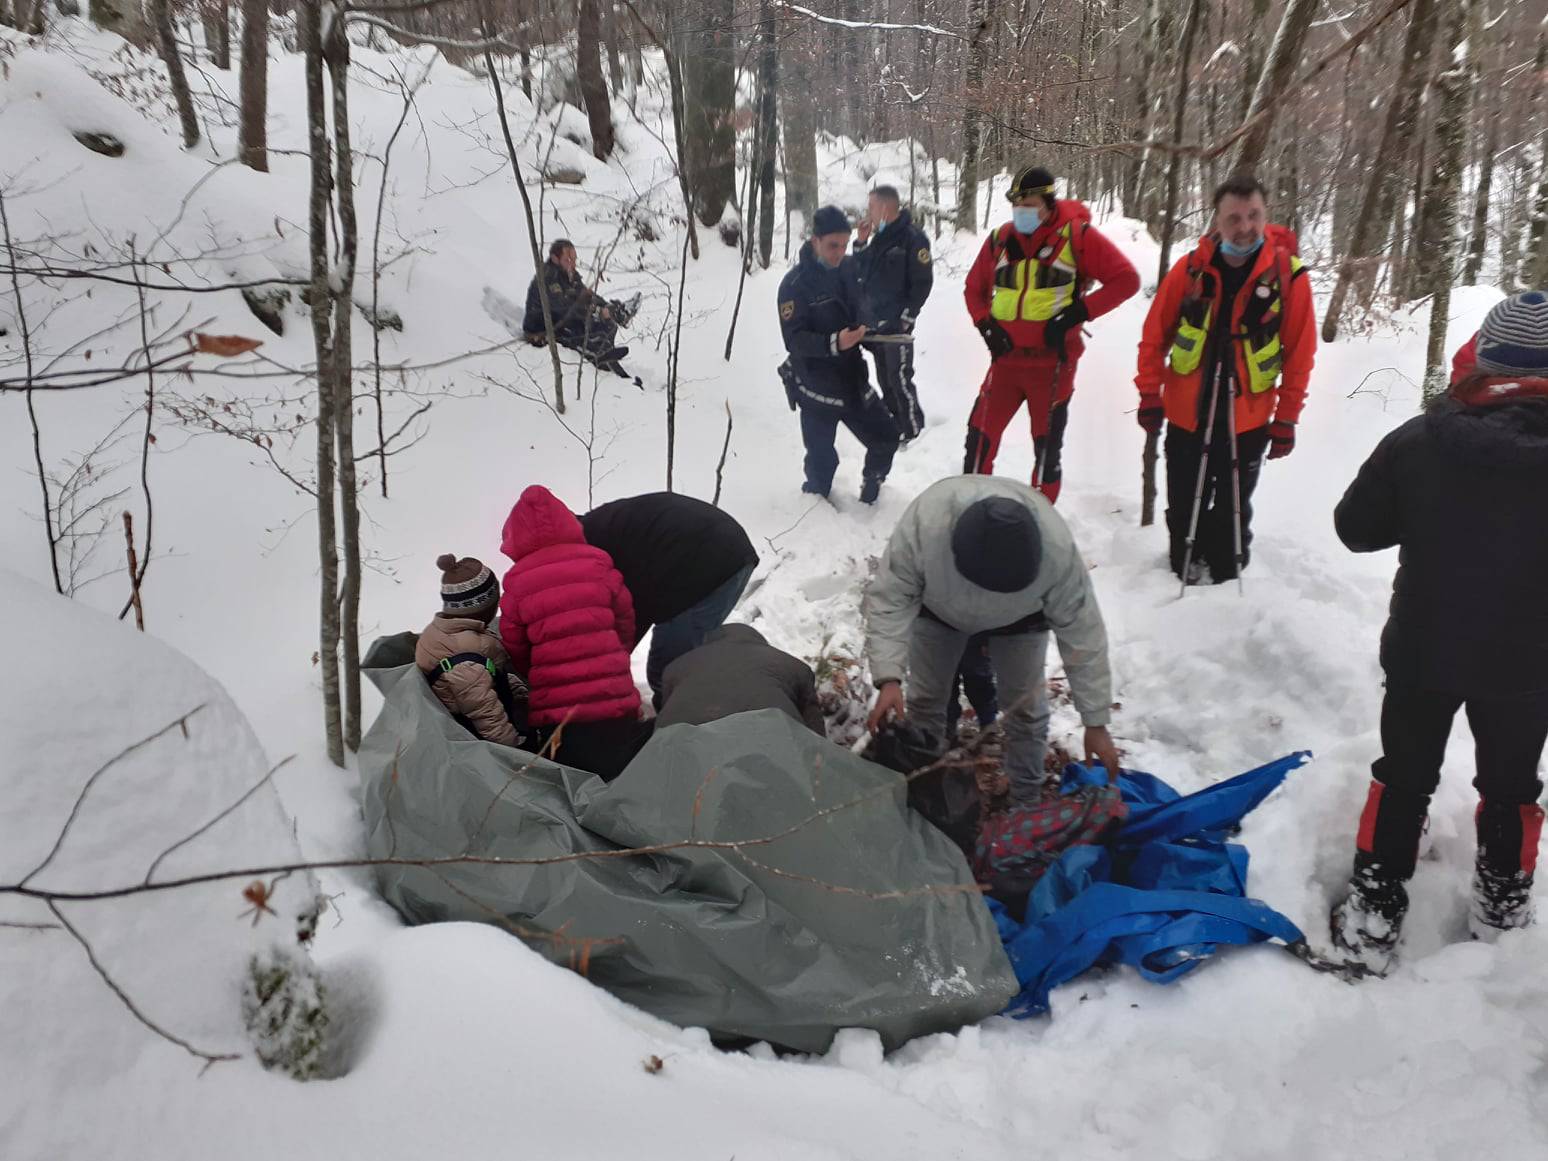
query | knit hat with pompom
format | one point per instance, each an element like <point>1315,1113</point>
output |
<point>468,588</point>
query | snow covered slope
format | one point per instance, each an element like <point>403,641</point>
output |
<point>459,1041</point>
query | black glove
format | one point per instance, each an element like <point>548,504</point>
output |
<point>996,338</point>
<point>1071,318</point>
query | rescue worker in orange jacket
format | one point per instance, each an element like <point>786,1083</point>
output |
<point>1226,353</point>
<point>1027,293</point>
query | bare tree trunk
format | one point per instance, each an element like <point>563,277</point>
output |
<point>1393,145</point>
<point>309,28</point>
<point>1434,265</point>
<point>1134,165</point>
<point>679,100</point>
<point>1180,111</point>
<point>125,17</point>
<point>1535,268</point>
<point>253,132</point>
<point>336,53</point>
<point>768,131</point>
<point>709,79</point>
<point>166,41</point>
<point>1284,55</point>
<point>980,18</point>
<point>215,15</point>
<point>588,69</point>
<point>1478,237</point>
<point>798,103</point>
<point>610,38</point>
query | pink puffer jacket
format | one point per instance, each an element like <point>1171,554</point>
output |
<point>565,617</point>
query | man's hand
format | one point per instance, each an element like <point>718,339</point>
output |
<point>850,336</point>
<point>1100,748</point>
<point>1152,416</point>
<point>605,313</point>
<point>996,338</point>
<point>1056,329</point>
<point>1281,439</point>
<point>889,704</point>
<point>863,231</point>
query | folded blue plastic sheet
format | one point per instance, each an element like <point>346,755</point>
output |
<point>1162,896</point>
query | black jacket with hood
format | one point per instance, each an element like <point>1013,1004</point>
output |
<point>895,275</point>
<point>736,670</point>
<point>1463,493</point>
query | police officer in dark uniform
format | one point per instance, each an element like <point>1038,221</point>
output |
<point>825,377</point>
<point>893,255</point>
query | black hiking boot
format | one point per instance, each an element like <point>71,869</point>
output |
<point>811,489</point>
<point>1367,924</point>
<point>1502,877</point>
<point>870,488</point>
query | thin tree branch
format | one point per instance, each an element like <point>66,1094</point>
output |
<point>209,1058</point>
<point>252,790</point>
<point>177,724</point>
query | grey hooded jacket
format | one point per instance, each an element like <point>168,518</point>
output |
<point>918,571</point>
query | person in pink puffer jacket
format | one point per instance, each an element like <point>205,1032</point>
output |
<point>567,621</point>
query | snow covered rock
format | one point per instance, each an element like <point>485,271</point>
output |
<point>124,764</point>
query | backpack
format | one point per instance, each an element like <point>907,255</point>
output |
<point>513,702</point>
<point>1016,848</point>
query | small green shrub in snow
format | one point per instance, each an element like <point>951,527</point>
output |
<point>284,1011</point>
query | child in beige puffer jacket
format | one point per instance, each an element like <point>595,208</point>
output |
<point>470,598</point>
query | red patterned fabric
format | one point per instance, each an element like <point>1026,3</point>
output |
<point>1025,840</point>
<point>565,617</point>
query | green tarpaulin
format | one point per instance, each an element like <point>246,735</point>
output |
<point>824,916</point>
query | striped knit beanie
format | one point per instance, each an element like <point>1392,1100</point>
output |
<point>1514,338</point>
<point>468,588</point>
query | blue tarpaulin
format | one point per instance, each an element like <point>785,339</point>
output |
<point>1161,896</point>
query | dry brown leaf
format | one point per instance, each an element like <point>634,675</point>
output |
<point>226,346</point>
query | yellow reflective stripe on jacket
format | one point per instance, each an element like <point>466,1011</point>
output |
<point>1050,290</point>
<point>1264,358</point>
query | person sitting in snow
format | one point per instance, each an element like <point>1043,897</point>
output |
<point>986,554</point>
<point>825,377</point>
<point>466,663</point>
<point>1462,492</point>
<point>583,321</point>
<point>568,621</point>
<point>736,670</point>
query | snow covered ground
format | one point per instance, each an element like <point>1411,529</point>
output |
<point>461,1042</point>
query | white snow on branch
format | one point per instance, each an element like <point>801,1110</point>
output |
<point>878,25</point>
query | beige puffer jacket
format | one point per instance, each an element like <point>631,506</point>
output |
<point>468,689</point>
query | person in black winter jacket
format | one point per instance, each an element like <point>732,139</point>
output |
<point>1462,492</point>
<point>895,276</point>
<point>684,562</point>
<point>583,321</point>
<point>736,670</point>
<point>824,376</point>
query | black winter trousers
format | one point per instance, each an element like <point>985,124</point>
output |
<point>895,376</point>
<point>1215,544</point>
<point>1509,735</point>
<point>870,423</point>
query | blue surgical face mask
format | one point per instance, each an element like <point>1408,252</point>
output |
<point>1232,250</point>
<point>880,226</point>
<point>1025,219</point>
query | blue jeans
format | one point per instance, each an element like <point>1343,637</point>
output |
<point>687,630</point>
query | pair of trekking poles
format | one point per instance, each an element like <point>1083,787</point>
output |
<point>1203,472</point>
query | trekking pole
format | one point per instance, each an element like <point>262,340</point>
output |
<point>1236,495</point>
<point>1198,486</point>
<point>1041,454</point>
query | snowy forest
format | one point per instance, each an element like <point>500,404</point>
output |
<point>525,592</point>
